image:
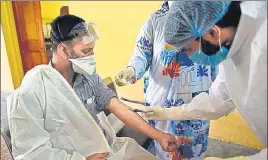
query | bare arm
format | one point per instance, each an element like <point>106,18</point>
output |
<point>134,121</point>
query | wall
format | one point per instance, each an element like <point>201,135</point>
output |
<point>6,78</point>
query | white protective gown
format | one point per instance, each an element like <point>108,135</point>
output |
<point>48,121</point>
<point>242,78</point>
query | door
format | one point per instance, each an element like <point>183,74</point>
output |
<point>27,15</point>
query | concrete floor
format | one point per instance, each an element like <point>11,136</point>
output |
<point>217,148</point>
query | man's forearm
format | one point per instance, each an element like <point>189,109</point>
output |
<point>132,119</point>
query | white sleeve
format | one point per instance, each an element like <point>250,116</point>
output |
<point>210,106</point>
<point>28,137</point>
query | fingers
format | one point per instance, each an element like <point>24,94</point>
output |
<point>126,77</point>
<point>182,140</point>
<point>103,155</point>
<point>119,75</point>
<point>120,82</point>
<point>120,79</point>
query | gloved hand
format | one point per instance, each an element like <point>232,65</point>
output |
<point>125,76</point>
<point>233,158</point>
<point>174,113</point>
<point>159,113</point>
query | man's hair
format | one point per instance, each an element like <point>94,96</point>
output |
<point>61,26</point>
<point>232,17</point>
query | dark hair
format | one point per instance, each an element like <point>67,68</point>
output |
<point>232,17</point>
<point>61,26</point>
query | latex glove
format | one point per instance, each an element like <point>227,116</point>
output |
<point>233,158</point>
<point>125,76</point>
<point>174,113</point>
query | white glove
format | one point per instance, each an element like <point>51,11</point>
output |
<point>124,77</point>
<point>174,113</point>
<point>159,113</point>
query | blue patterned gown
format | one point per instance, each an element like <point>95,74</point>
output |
<point>172,80</point>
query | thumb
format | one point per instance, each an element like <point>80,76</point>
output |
<point>147,113</point>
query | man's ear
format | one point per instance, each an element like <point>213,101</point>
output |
<point>62,51</point>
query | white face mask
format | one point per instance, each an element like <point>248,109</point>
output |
<point>84,65</point>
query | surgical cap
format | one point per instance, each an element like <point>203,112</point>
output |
<point>188,20</point>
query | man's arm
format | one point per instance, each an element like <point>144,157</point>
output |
<point>131,119</point>
<point>106,99</point>
<point>28,137</point>
<point>134,121</point>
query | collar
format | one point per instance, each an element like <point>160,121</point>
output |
<point>77,79</point>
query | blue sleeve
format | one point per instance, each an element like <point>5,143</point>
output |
<point>214,72</point>
<point>143,52</point>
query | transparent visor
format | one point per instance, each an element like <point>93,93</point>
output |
<point>84,33</point>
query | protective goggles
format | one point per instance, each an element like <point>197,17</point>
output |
<point>81,33</point>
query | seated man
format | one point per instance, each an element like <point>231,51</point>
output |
<point>56,113</point>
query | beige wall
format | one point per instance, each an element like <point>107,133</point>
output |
<point>6,78</point>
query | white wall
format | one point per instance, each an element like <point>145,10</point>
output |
<point>6,78</point>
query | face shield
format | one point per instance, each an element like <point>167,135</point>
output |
<point>84,33</point>
<point>81,33</point>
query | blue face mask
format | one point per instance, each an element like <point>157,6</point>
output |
<point>206,59</point>
<point>200,57</point>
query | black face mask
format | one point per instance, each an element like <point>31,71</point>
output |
<point>211,49</point>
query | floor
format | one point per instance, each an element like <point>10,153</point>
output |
<point>217,148</point>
